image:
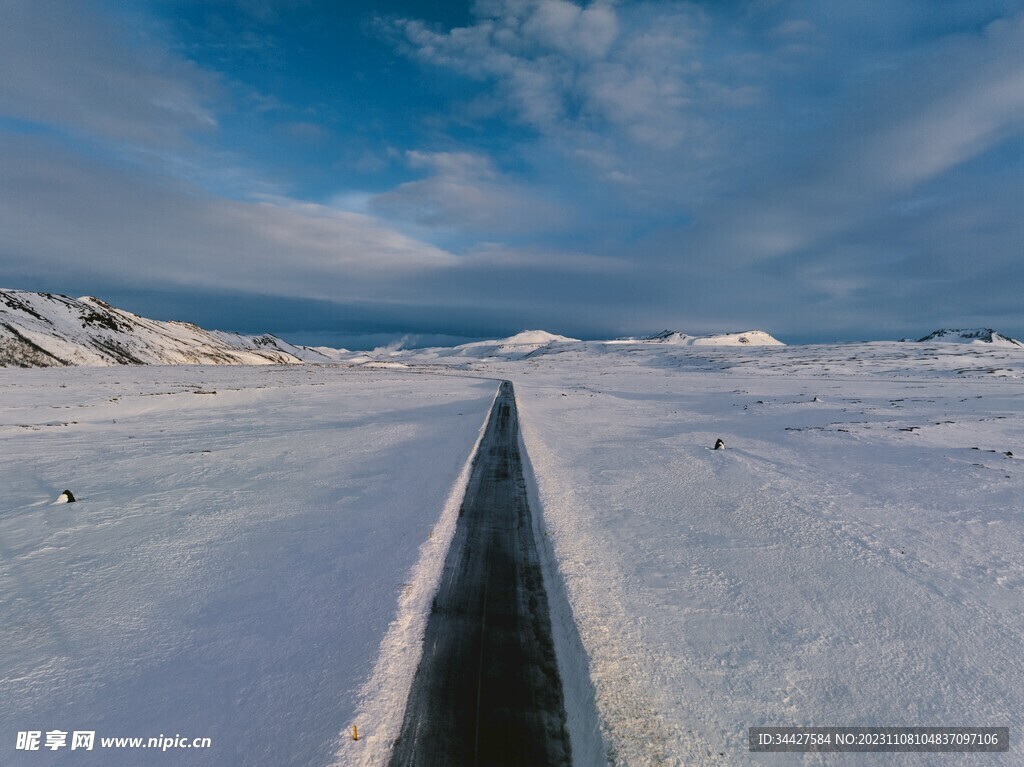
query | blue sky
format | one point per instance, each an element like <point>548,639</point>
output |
<point>351,173</point>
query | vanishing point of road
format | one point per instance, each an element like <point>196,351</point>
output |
<point>487,690</point>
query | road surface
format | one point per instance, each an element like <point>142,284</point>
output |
<point>487,690</point>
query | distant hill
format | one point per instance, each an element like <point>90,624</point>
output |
<point>46,330</point>
<point>521,343</point>
<point>527,343</point>
<point>970,336</point>
<point>746,338</point>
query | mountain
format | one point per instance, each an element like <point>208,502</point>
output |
<point>525,344</point>
<point>534,338</point>
<point>746,338</point>
<point>46,330</point>
<point>970,336</point>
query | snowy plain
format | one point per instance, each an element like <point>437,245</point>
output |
<point>239,548</point>
<point>854,557</point>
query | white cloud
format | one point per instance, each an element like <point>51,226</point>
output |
<point>564,67</point>
<point>582,33</point>
<point>465,192</point>
<point>61,214</point>
<point>65,64</point>
<point>980,102</point>
<point>910,128</point>
<point>726,161</point>
<point>78,209</point>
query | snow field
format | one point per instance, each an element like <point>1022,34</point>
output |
<point>234,559</point>
<point>850,558</point>
<point>855,556</point>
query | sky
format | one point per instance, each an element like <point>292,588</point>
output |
<point>359,173</point>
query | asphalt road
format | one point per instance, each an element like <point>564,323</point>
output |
<point>487,690</point>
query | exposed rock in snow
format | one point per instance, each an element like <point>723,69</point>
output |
<point>970,336</point>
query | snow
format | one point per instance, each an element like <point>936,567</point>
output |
<point>383,695</point>
<point>854,556</point>
<point>239,548</point>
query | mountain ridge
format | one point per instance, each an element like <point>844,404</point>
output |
<point>970,336</point>
<point>51,330</point>
<point>743,338</point>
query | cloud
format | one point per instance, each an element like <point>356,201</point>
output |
<point>583,33</point>
<point>905,132</point>
<point>66,65</point>
<point>641,107</point>
<point>103,181</point>
<point>464,191</point>
<point>979,103</point>
<point>809,150</point>
<point>564,66</point>
<point>593,167</point>
<point>491,255</point>
<point>60,213</point>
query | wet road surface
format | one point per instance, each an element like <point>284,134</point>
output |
<point>487,690</point>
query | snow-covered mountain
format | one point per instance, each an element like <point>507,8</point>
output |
<point>519,346</point>
<point>521,343</point>
<point>970,336</point>
<point>46,330</point>
<point>746,338</point>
